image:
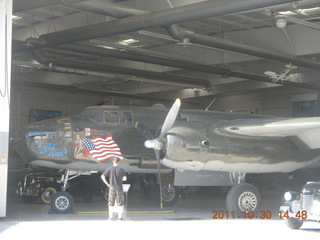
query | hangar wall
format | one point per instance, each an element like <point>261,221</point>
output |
<point>69,103</point>
<point>275,102</point>
<point>257,103</point>
<point>44,99</point>
<point>72,103</point>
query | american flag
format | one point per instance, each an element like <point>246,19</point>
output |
<point>102,149</point>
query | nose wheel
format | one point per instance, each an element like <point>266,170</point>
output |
<point>62,202</point>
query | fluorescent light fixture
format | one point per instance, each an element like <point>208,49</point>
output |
<point>144,51</point>
<point>306,11</point>
<point>288,13</point>
<point>128,41</point>
<point>16,17</point>
<point>107,47</point>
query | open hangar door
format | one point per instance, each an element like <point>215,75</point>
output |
<point>144,70</point>
<point>5,76</point>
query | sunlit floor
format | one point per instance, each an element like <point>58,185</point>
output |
<point>190,217</point>
<point>165,229</point>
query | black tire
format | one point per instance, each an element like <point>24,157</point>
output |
<point>62,202</point>
<point>170,194</point>
<point>47,194</point>
<point>293,223</point>
<point>243,197</point>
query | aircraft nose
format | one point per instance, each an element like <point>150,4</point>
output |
<point>46,129</point>
<point>27,142</point>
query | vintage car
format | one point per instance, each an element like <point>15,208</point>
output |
<point>298,208</point>
<point>38,185</point>
<point>45,185</point>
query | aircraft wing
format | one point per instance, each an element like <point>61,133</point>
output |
<point>307,130</point>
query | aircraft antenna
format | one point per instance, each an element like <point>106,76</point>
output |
<point>210,104</point>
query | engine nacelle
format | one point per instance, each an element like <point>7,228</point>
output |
<point>186,146</point>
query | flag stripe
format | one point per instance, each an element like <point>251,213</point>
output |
<point>102,148</point>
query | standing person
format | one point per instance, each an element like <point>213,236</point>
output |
<point>115,176</point>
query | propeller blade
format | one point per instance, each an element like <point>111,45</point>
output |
<point>157,144</point>
<point>167,125</point>
<point>170,119</point>
<point>144,131</point>
<point>157,152</point>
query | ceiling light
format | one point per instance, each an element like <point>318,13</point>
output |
<point>107,47</point>
<point>157,35</point>
<point>128,41</point>
<point>288,13</point>
<point>16,17</point>
<point>309,11</point>
<point>281,22</point>
<point>305,11</point>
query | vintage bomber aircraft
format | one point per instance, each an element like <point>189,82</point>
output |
<point>194,140</point>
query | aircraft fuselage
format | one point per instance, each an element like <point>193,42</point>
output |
<point>194,142</point>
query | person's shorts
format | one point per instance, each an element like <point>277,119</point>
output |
<point>115,196</point>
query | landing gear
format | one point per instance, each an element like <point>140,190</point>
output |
<point>169,193</point>
<point>243,197</point>
<point>62,202</point>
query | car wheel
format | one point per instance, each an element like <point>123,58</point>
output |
<point>47,194</point>
<point>293,223</point>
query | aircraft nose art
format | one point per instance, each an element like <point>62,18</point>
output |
<point>48,139</point>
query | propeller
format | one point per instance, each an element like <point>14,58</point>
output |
<point>156,143</point>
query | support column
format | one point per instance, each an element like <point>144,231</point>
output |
<point>5,83</point>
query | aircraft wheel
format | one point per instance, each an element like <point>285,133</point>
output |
<point>243,197</point>
<point>47,194</point>
<point>62,202</point>
<point>293,223</point>
<point>170,194</point>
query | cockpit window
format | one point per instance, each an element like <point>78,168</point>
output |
<point>93,113</point>
<point>111,117</point>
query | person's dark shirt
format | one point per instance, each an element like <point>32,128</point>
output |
<point>114,176</point>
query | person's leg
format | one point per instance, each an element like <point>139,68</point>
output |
<point>120,204</point>
<point>111,202</point>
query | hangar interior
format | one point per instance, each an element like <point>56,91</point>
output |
<point>70,54</point>
<point>200,56</point>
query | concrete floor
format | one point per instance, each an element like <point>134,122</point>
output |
<point>190,218</point>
